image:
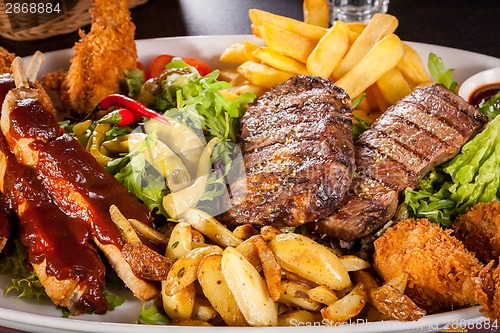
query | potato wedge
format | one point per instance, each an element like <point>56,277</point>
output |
<point>380,25</point>
<point>398,282</point>
<point>353,263</point>
<point>249,250</point>
<point>217,291</point>
<point>180,241</point>
<point>381,58</point>
<point>299,318</point>
<point>329,51</point>
<point>203,310</point>
<point>287,43</point>
<point>391,302</point>
<point>366,278</point>
<point>270,267</point>
<point>148,232</point>
<point>316,12</point>
<point>309,31</point>
<point>287,64</point>
<point>294,294</point>
<point>248,289</point>
<point>234,54</point>
<point>268,232</point>
<point>245,231</point>
<point>393,86</point>
<point>313,261</point>
<point>210,227</point>
<point>185,270</point>
<point>347,307</point>
<point>179,305</point>
<point>322,294</point>
<point>124,225</point>
<point>263,75</point>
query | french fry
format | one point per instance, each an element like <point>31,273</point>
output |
<point>357,27</point>
<point>185,270</point>
<point>322,294</point>
<point>249,49</point>
<point>380,25</point>
<point>287,43</point>
<point>329,51</point>
<point>381,58</point>
<point>310,260</point>
<point>248,289</point>
<point>294,294</point>
<point>263,75</point>
<point>217,291</point>
<point>316,12</point>
<point>309,31</point>
<point>181,304</point>
<point>412,67</point>
<point>393,86</point>
<point>180,241</point>
<point>298,318</point>
<point>375,98</point>
<point>270,267</point>
<point>210,227</point>
<point>353,263</point>
<point>267,56</point>
<point>347,307</point>
<point>234,54</point>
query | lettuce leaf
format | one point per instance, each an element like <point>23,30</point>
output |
<point>151,316</point>
<point>439,73</point>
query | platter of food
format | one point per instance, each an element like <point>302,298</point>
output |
<point>32,316</point>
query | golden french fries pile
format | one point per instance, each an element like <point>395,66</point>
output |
<point>360,58</point>
<point>247,277</point>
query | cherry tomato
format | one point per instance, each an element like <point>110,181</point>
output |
<point>158,65</point>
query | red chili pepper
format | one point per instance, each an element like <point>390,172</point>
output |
<point>136,108</point>
<point>121,117</point>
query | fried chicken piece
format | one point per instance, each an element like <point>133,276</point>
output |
<point>487,286</point>
<point>440,269</point>
<point>479,230</point>
<point>6,59</point>
<point>101,57</point>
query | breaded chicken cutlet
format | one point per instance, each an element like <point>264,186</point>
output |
<point>6,59</point>
<point>479,230</point>
<point>440,269</point>
<point>101,57</point>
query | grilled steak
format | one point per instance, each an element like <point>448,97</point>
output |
<point>424,129</point>
<point>298,154</point>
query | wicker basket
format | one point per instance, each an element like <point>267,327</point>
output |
<point>75,18</point>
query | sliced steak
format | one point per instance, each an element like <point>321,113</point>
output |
<point>424,129</point>
<point>298,154</point>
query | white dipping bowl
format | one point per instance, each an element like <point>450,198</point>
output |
<point>470,85</point>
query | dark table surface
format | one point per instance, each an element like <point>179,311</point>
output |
<point>465,24</point>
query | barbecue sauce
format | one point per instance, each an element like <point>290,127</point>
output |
<point>484,92</point>
<point>66,167</point>
<point>48,234</point>
<point>51,235</point>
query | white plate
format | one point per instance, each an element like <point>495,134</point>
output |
<point>33,317</point>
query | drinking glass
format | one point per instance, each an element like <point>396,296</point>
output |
<point>357,10</point>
